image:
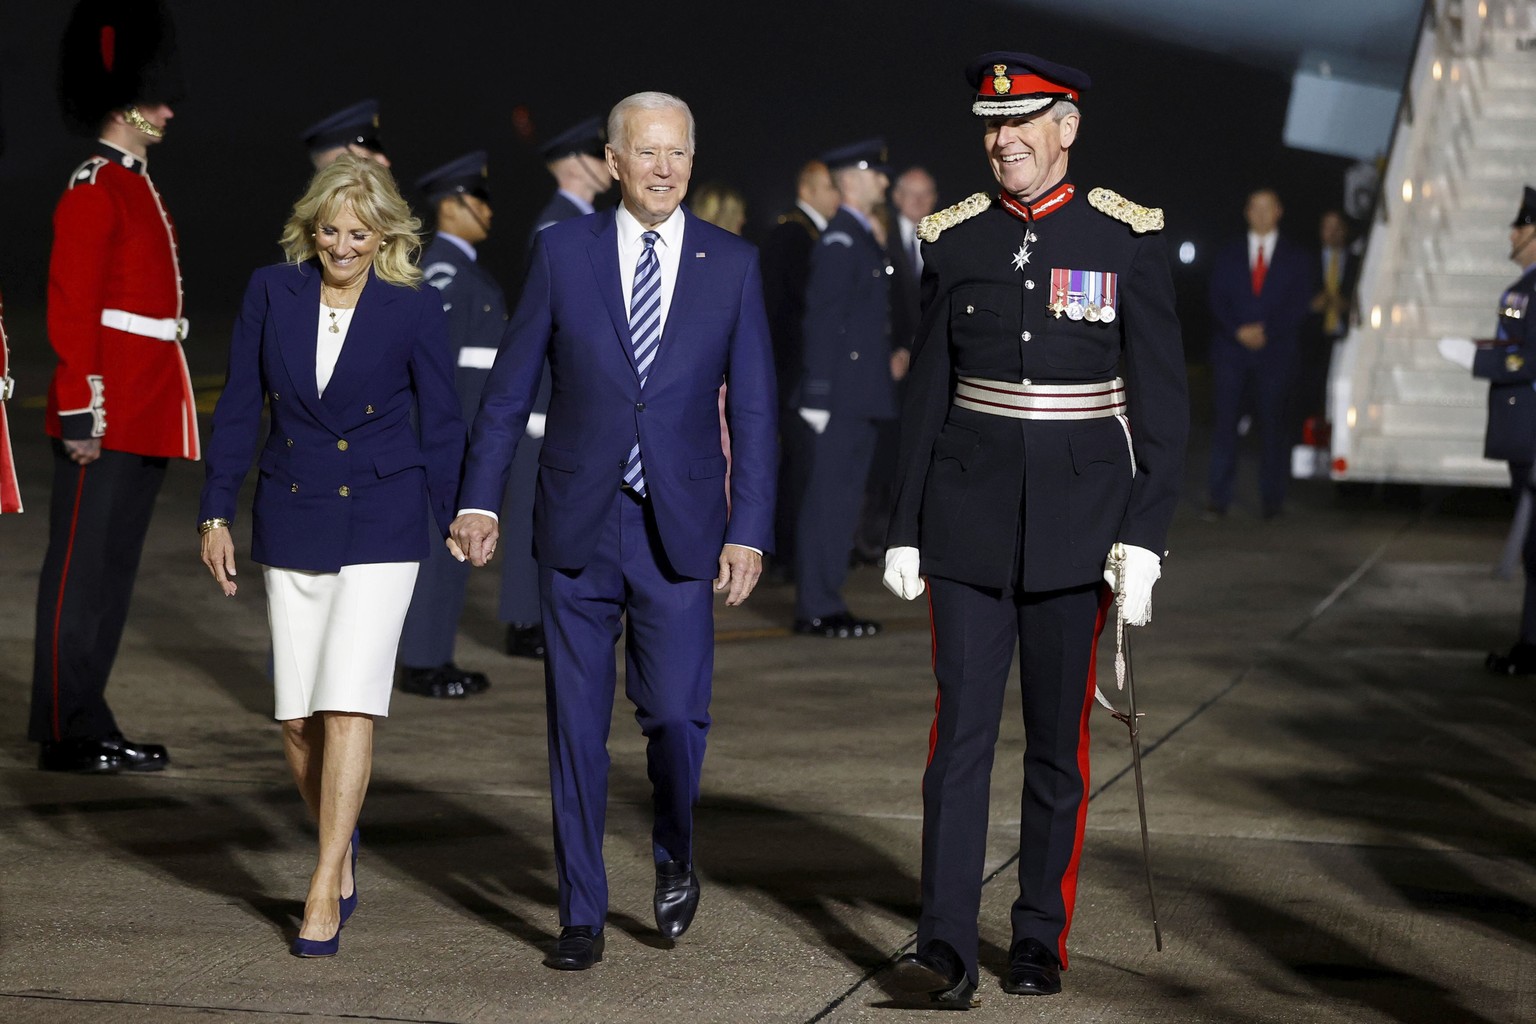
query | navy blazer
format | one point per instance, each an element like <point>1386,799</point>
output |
<point>572,312</point>
<point>345,479</point>
<point>1289,284</point>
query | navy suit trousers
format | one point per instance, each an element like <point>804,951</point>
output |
<point>669,654</point>
<point>1266,376</point>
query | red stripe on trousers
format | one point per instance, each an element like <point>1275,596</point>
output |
<point>933,665</point>
<point>1069,878</point>
<point>58,611</point>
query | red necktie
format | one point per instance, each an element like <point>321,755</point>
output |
<point>1258,271</point>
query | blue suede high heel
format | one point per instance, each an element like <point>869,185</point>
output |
<point>349,903</point>
<point>317,947</point>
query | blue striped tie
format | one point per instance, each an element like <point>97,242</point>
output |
<point>645,335</point>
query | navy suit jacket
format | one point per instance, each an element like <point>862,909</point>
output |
<point>1289,284</point>
<point>345,479</point>
<point>572,313</point>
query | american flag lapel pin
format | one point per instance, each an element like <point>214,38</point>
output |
<point>698,255</point>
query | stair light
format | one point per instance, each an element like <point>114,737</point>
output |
<point>1351,417</point>
<point>1436,70</point>
<point>1397,315</point>
<point>1455,73</point>
<point>1482,9</point>
<point>1375,325</point>
<point>1424,190</point>
<point>1407,190</point>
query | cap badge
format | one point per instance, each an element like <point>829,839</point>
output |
<point>1001,83</point>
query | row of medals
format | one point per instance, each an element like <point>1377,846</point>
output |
<point>1076,309</point>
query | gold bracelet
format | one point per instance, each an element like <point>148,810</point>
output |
<point>208,525</point>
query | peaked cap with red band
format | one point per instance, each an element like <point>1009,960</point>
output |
<point>1016,84</point>
<point>115,54</point>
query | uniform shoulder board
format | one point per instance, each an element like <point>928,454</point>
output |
<point>1141,218</point>
<point>440,274</point>
<point>837,238</point>
<point>85,174</point>
<point>933,225</point>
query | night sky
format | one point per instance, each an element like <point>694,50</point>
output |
<point>770,84</point>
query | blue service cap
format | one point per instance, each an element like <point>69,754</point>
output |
<point>467,174</point>
<point>870,154</point>
<point>587,137</point>
<point>1016,84</point>
<point>356,125</point>
<point>1527,212</point>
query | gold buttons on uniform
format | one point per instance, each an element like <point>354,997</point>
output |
<point>294,488</point>
<point>487,308</point>
<point>344,491</point>
<point>1026,336</point>
<point>970,309</point>
<point>276,396</point>
<point>290,442</point>
<point>341,445</point>
<point>369,410</point>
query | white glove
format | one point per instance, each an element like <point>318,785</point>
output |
<point>901,573</point>
<point>1141,568</point>
<point>1458,350</point>
<point>535,427</point>
<point>817,418</point>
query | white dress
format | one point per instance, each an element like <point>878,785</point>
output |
<point>335,635</point>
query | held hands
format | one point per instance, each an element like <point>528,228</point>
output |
<point>901,573</point>
<point>473,536</point>
<point>219,557</point>
<point>740,569</point>
<point>816,419</point>
<point>1138,570</point>
<point>1460,351</point>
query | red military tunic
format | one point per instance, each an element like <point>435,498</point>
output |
<point>115,314</point>
<point>10,493</point>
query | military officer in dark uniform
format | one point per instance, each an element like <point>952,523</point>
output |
<point>845,388</point>
<point>1043,431</point>
<point>460,200</point>
<point>574,158</point>
<point>786,258</point>
<point>354,130</point>
<point>1508,363</point>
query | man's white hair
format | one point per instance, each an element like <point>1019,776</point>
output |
<point>618,117</point>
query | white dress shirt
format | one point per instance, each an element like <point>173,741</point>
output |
<point>668,251</point>
<point>1267,242</point>
<point>328,344</point>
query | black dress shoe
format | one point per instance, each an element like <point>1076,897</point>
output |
<point>80,756</point>
<point>937,971</point>
<point>578,948</point>
<point>1520,661</point>
<point>433,682</point>
<point>1032,970</point>
<point>842,626</point>
<point>474,682</point>
<point>525,641</point>
<point>677,898</point>
<point>137,757</point>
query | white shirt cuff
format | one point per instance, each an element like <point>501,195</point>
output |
<point>479,512</point>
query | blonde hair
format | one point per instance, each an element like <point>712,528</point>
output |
<point>370,190</point>
<point>719,205</point>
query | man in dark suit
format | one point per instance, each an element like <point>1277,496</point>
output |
<point>786,254</point>
<point>642,313</point>
<point>1261,288</point>
<point>574,158</point>
<point>1508,363</point>
<point>845,388</point>
<point>458,194</point>
<point>1328,318</point>
<point>1029,467</point>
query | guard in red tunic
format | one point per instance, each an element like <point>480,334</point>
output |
<point>10,493</point>
<point>120,405</point>
<point>1044,425</point>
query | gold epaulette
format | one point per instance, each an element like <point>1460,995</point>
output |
<point>933,225</point>
<point>1141,218</point>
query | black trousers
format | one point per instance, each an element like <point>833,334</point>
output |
<point>97,518</point>
<point>838,466</point>
<point>975,630</point>
<point>1519,480</point>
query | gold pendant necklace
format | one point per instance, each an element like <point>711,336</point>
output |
<point>334,328</point>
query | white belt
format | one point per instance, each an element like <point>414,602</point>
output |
<point>167,329</point>
<point>1028,401</point>
<point>477,357</point>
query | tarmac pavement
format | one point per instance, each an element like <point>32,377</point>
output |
<point>1343,826</point>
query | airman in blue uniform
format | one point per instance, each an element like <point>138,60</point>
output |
<point>477,315</point>
<point>354,130</point>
